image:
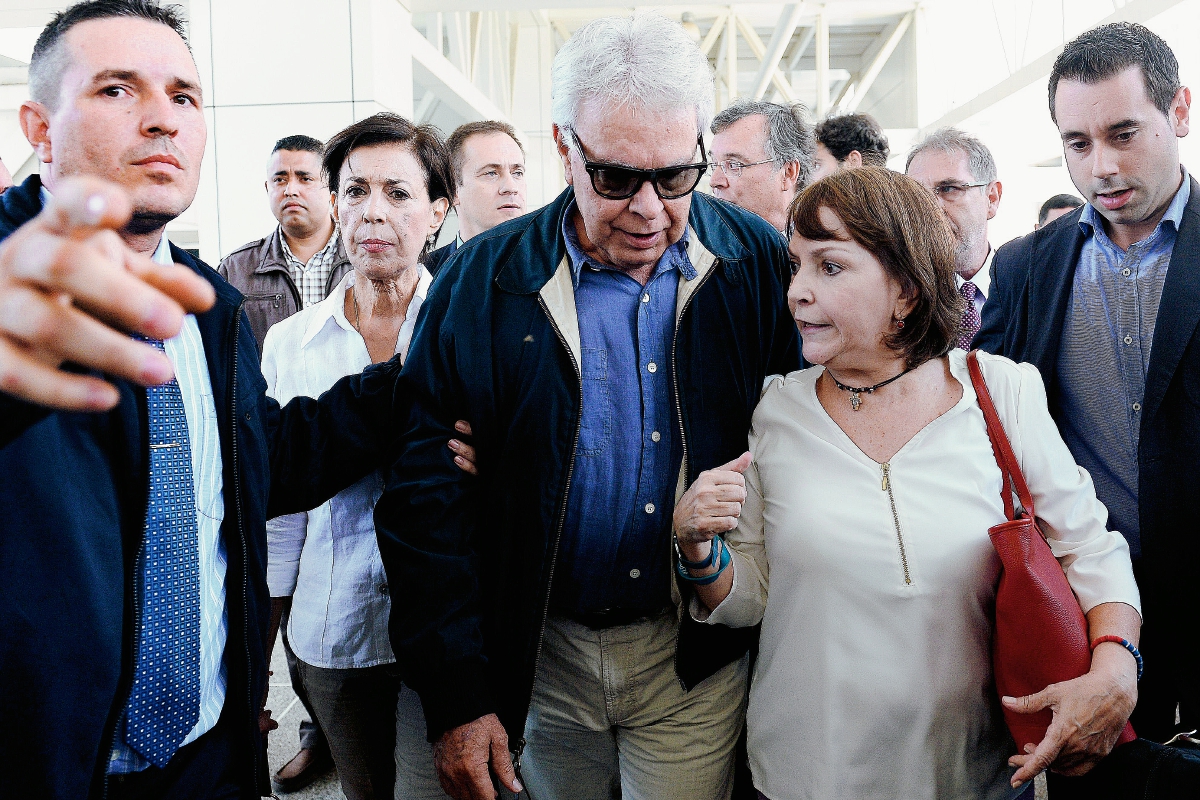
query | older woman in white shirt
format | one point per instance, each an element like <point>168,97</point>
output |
<point>390,182</point>
<point>866,510</point>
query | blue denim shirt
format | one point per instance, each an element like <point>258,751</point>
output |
<point>1106,341</point>
<point>614,551</point>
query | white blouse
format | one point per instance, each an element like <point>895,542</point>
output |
<point>327,560</point>
<point>874,678</point>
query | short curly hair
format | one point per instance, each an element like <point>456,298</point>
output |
<point>845,133</point>
<point>899,222</point>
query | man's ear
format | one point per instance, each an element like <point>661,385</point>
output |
<point>1181,110</point>
<point>564,152</point>
<point>853,159</point>
<point>35,124</point>
<point>994,190</point>
<point>788,177</point>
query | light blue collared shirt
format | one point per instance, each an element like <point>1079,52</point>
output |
<point>186,352</point>
<point>1106,341</point>
<point>614,551</point>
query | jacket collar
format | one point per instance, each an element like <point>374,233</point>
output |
<point>1179,309</point>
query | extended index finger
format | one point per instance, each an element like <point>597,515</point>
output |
<point>82,205</point>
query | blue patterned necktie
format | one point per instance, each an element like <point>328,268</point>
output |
<point>164,703</point>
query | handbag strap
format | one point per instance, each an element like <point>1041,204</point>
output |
<point>1010,469</point>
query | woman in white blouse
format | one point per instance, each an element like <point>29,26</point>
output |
<point>866,511</point>
<point>391,186</point>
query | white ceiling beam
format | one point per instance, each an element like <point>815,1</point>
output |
<point>867,76</point>
<point>731,57</point>
<point>760,50</point>
<point>805,41</point>
<point>788,20</point>
<point>822,41</point>
<point>451,87</point>
<point>1132,11</point>
<point>714,32</point>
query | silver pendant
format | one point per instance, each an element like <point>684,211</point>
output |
<point>855,401</point>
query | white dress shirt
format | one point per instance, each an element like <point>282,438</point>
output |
<point>868,686</point>
<point>186,354</point>
<point>327,560</point>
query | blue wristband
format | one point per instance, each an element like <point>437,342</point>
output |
<point>725,560</point>
<point>704,563</point>
<point>1128,645</point>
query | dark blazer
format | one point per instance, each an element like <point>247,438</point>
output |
<point>1023,320</point>
<point>478,555</point>
<point>73,498</point>
<point>436,258</point>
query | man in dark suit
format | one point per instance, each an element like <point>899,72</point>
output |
<point>1105,302</point>
<point>488,162</point>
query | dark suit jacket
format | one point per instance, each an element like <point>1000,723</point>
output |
<point>434,260</point>
<point>1023,320</point>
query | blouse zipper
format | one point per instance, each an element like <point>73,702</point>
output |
<point>887,487</point>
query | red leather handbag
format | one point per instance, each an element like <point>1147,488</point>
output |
<point>1041,635</point>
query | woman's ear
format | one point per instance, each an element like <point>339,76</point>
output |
<point>438,210</point>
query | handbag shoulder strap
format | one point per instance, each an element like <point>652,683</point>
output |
<point>1010,469</point>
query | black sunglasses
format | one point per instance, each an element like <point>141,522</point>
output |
<point>618,182</point>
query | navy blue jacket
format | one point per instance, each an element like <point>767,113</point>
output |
<point>1023,320</point>
<point>476,558</point>
<point>73,493</point>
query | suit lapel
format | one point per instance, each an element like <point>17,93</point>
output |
<point>1179,309</point>
<point>1051,274</point>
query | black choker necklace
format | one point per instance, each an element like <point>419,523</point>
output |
<point>855,400</point>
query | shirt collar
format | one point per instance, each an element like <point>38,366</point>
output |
<point>1090,221</point>
<point>329,245</point>
<point>333,308</point>
<point>983,278</point>
<point>675,256</point>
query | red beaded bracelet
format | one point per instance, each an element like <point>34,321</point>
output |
<point>1128,645</point>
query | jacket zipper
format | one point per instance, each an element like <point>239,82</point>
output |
<point>679,412</point>
<point>562,518</point>
<point>237,501</point>
<point>887,487</point>
<point>106,754</point>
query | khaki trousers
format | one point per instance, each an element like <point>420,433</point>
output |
<point>610,719</point>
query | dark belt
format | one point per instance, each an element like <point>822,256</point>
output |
<point>612,617</point>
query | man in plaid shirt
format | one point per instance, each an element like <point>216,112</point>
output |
<point>303,259</point>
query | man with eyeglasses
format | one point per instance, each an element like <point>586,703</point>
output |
<point>762,155</point>
<point>608,349</point>
<point>961,173</point>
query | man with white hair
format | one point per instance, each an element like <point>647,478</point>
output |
<point>607,349</point>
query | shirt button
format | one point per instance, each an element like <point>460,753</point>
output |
<point>1128,340</point>
<point>646,297</point>
<point>652,367</point>
<point>635,573</point>
<point>383,588</point>
<point>1125,272</point>
<point>1137,406</point>
<point>654,437</point>
<point>649,508</point>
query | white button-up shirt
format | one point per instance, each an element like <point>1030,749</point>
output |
<point>327,560</point>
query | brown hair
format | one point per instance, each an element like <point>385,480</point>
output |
<point>458,139</point>
<point>898,221</point>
